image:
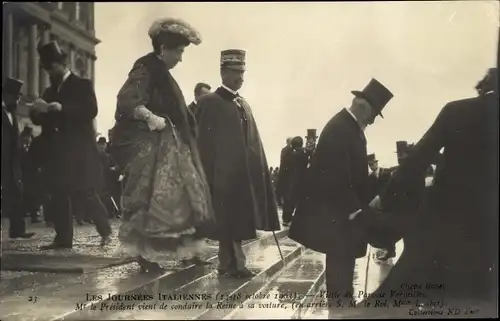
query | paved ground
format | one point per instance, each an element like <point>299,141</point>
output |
<point>281,290</point>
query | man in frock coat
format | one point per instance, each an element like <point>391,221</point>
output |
<point>454,238</point>
<point>333,213</point>
<point>12,187</point>
<point>74,169</point>
<point>236,167</point>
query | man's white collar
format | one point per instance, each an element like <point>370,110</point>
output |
<point>66,75</point>
<point>229,89</point>
<point>354,117</point>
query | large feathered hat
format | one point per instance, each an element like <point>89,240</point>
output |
<point>176,26</point>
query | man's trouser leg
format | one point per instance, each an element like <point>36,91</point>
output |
<point>95,209</point>
<point>339,279</point>
<point>231,256</point>
<point>61,209</point>
<point>16,213</point>
<point>287,210</point>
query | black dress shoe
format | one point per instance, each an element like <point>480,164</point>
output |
<point>222,272</point>
<point>147,266</point>
<point>54,246</point>
<point>242,274</point>
<point>23,236</point>
<point>195,261</point>
<point>388,255</point>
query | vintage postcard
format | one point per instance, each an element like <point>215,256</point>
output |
<point>249,160</point>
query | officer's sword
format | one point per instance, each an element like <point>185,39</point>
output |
<point>279,249</point>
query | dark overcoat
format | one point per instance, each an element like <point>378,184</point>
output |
<point>236,168</point>
<point>454,239</point>
<point>11,169</point>
<point>377,183</point>
<point>285,173</point>
<point>73,162</point>
<point>337,185</point>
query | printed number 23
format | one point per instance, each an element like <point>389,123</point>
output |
<point>32,299</point>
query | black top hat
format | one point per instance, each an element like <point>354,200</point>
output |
<point>372,158</point>
<point>51,53</point>
<point>376,94</point>
<point>311,133</point>
<point>233,58</point>
<point>489,82</point>
<point>12,87</point>
<point>402,147</point>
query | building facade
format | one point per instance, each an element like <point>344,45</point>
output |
<point>26,25</point>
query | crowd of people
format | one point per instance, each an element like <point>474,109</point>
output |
<point>180,174</point>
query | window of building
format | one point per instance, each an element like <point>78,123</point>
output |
<point>77,10</point>
<point>80,67</point>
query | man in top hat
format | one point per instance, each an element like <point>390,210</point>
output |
<point>284,174</point>
<point>333,212</point>
<point>66,113</point>
<point>236,167</point>
<point>454,238</point>
<point>12,200</point>
<point>311,140</point>
<point>201,89</point>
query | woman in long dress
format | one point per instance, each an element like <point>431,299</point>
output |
<point>166,198</point>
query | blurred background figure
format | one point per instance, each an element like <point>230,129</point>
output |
<point>201,89</point>
<point>284,174</point>
<point>111,174</point>
<point>31,173</point>
<point>12,185</point>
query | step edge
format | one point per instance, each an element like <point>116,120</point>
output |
<point>295,254</point>
<point>214,260</point>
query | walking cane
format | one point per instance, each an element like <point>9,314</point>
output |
<point>279,249</point>
<point>367,267</point>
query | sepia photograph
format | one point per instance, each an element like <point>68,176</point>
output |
<point>249,160</point>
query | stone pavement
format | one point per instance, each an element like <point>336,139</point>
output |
<point>289,289</point>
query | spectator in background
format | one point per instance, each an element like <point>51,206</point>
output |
<point>31,176</point>
<point>11,170</point>
<point>109,178</point>
<point>201,89</point>
<point>284,174</point>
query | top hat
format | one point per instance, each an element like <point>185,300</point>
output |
<point>402,147</point>
<point>233,59</point>
<point>376,94</point>
<point>311,133</point>
<point>489,82</point>
<point>372,158</point>
<point>12,87</point>
<point>51,53</point>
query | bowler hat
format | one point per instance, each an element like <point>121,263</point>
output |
<point>12,87</point>
<point>311,133</point>
<point>51,53</point>
<point>372,158</point>
<point>376,94</point>
<point>233,59</point>
<point>101,140</point>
